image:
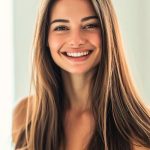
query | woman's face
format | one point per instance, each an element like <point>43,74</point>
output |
<point>74,36</point>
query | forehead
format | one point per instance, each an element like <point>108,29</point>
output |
<point>72,9</point>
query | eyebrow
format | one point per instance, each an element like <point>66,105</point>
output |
<point>67,21</point>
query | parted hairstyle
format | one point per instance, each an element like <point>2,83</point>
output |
<point>118,110</point>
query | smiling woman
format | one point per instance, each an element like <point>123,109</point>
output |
<point>84,96</point>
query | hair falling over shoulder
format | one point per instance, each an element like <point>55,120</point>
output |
<point>118,110</point>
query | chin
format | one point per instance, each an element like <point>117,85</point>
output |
<point>78,71</point>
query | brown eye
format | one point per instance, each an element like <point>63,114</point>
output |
<point>61,28</point>
<point>90,26</point>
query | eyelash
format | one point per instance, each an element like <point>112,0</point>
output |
<point>87,27</point>
<point>61,28</point>
<point>91,26</point>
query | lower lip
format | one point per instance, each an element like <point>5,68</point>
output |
<point>78,59</point>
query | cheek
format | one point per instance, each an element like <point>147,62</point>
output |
<point>54,43</point>
<point>96,40</point>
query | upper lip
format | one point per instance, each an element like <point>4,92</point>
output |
<point>76,50</point>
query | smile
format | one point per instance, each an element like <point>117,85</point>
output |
<point>77,54</point>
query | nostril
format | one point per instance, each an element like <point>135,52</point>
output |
<point>77,41</point>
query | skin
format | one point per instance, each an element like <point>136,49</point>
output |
<point>76,35</point>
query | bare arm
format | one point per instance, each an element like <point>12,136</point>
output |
<point>19,119</point>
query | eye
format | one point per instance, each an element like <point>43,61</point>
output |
<point>91,26</point>
<point>61,28</point>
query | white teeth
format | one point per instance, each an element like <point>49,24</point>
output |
<point>79,54</point>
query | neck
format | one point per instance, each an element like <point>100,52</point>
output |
<point>77,90</point>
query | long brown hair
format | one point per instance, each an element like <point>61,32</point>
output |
<point>118,110</point>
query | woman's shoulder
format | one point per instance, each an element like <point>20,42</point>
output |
<point>137,146</point>
<point>19,117</point>
<point>20,110</point>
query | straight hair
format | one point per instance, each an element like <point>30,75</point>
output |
<point>119,112</point>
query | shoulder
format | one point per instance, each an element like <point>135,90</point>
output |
<point>20,111</point>
<point>137,146</point>
<point>19,118</point>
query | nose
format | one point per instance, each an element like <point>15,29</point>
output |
<point>76,39</point>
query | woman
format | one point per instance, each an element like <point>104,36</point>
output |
<point>84,97</point>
